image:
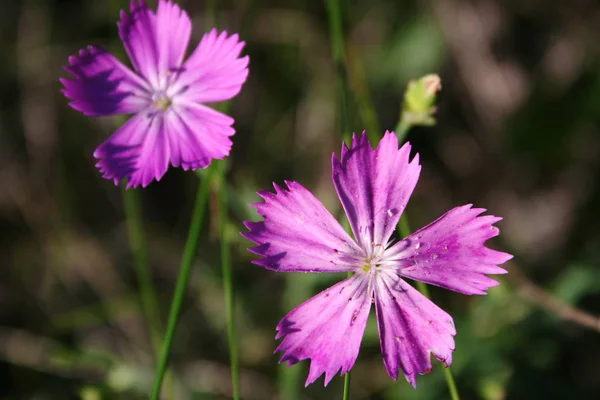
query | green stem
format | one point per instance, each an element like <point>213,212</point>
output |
<point>297,290</point>
<point>402,129</point>
<point>346,386</point>
<point>404,226</point>
<point>451,384</point>
<point>336,34</point>
<point>139,247</point>
<point>228,285</point>
<point>289,379</point>
<point>189,255</point>
<point>361,94</point>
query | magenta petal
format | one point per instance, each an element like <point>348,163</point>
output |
<point>327,329</point>
<point>374,186</point>
<point>139,150</point>
<point>138,33</point>
<point>450,252</point>
<point>156,43</point>
<point>410,328</point>
<point>173,31</point>
<point>197,135</point>
<point>102,85</point>
<point>299,234</point>
<point>214,71</point>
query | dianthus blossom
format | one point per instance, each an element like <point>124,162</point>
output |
<point>299,234</point>
<point>165,94</point>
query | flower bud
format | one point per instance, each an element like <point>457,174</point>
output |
<point>419,100</point>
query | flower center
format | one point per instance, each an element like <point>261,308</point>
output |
<point>374,259</point>
<point>161,100</point>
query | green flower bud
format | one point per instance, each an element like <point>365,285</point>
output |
<point>419,100</point>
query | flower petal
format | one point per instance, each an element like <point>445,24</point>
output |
<point>410,327</point>
<point>139,150</point>
<point>156,43</point>
<point>173,32</point>
<point>299,234</point>
<point>450,252</point>
<point>327,329</point>
<point>374,186</point>
<point>214,71</point>
<point>197,135</point>
<point>102,85</point>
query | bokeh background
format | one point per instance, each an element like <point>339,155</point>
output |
<point>517,133</point>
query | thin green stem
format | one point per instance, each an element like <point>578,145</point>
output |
<point>404,226</point>
<point>297,289</point>
<point>225,248</point>
<point>189,255</point>
<point>402,129</point>
<point>361,94</point>
<point>211,12</point>
<point>346,386</point>
<point>289,378</point>
<point>451,384</point>
<point>338,49</point>
<point>139,247</point>
<point>338,46</point>
<point>228,285</point>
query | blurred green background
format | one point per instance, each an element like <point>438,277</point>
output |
<point>517,133</point>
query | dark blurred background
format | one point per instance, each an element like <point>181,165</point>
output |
<point>517,133</point>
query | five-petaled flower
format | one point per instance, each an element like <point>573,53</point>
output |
<point>170,124</point>
<point>299,234</point>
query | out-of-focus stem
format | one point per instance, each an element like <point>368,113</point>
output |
<point>139,248</point>
<point>402,130</point>
<point>189,255</point>
<point>228,284</point>
<point>338,46</point>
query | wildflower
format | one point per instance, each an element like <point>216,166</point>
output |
<point>166,95</point>
<point>299,234</point>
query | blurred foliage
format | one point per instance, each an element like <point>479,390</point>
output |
<point>517,133</point>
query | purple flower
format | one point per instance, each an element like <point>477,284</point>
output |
<point>299,234</point>
<point>166,95</point>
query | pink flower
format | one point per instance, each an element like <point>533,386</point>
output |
<point>171,124</point>
<point>299,234</point>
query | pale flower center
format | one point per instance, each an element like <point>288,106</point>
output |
<point>161,101</point>
<point>372,262</point>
